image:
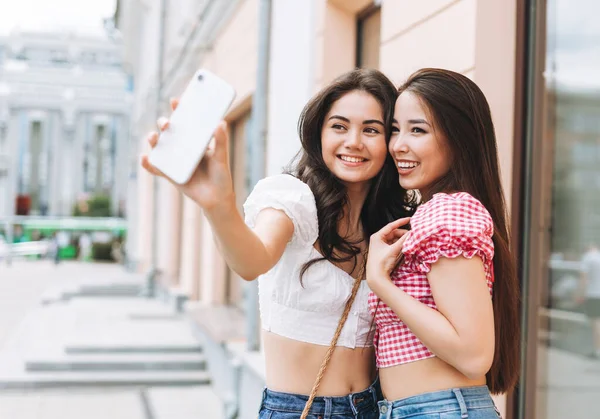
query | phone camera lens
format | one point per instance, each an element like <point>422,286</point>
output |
<point>200,77</point>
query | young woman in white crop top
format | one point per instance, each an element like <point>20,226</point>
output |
<point>308,231</point>
<point>447,315</point>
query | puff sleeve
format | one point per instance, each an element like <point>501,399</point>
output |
<point>290,195</point>
<point>449,225</point>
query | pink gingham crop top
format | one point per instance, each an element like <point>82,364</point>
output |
<point>448,225</point>
<point>307,311</point>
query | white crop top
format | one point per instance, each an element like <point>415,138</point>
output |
<point>307,312</point>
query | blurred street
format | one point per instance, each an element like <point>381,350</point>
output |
<point>78,338</point>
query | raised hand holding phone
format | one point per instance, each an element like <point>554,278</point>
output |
<point>181,152</point>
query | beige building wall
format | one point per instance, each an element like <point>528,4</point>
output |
<point>335,43</point>
<point>177,265</point>
<point>144,219</point>
<point>456,34</point>
<point>191,257</point>
<point>141,34</point>
<point>233,57</point>
<point>336,38</point>
<point>427,34</point>
<point>460,35</point>
<point>169,233</point>
<point>495,73</point>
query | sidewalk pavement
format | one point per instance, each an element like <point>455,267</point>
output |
<point>101,403</point>
<point>146,329</point>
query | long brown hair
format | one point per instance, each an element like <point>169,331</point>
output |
<point>386,200</point>
<point>462,114</point>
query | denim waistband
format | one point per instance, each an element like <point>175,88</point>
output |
<point>341,405</point>
<point>457,399</point>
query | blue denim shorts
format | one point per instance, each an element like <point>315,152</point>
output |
<point>458,403</point>
<point>361,405</point>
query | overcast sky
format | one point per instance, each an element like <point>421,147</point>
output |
<point>82,16</point>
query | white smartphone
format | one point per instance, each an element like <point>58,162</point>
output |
<point>202,106</point>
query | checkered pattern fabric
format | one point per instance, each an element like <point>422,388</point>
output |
<point>448,225</point>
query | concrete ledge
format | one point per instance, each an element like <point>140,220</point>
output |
<point>222,324</point>
<point>216,327</point>
<point>172,295</point>
<point>119,334</point>
<point>126,289</point>
<point>117,362</point>
<point>254,361</point>
<point>51,297</point>
<point>95,379</point>
<point>251,379</point>
<point>74,348</point>
<point>178,298</point>
<point>183,403</point>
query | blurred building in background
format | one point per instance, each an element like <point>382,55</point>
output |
<point>526,55</point>
<point>64,122</point>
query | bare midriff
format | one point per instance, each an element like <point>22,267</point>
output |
<point>424,376</point>
<point>292,367</point>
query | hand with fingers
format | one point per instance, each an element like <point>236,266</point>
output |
<point>385,251</point>
<point>211,184</point>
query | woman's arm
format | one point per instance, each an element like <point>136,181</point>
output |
<point>461,331</point>
<point>250,252</point>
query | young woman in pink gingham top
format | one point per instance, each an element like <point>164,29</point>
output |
<point>448,226</point>
<point>445,294</point>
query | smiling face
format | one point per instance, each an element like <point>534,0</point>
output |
<point>353,138</point>
<point>421,152</point>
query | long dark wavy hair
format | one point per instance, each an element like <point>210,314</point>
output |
<point>462,114</point>
<point>386,200</point>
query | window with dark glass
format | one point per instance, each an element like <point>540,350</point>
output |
<point>368,37</point>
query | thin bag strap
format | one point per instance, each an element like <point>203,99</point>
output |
<point>333,344</point>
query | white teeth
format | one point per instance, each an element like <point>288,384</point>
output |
<point>352,159</point>
<point>407,165</point>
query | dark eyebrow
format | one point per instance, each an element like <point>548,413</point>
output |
<point>373,121</point>
<point>418,121</point>
<point>368,121</point>
<point>395,121</point>
<point>339,117</point>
